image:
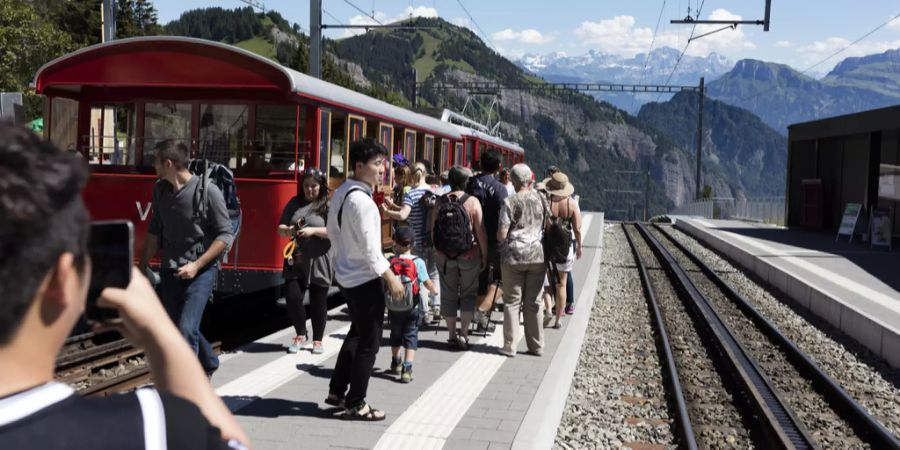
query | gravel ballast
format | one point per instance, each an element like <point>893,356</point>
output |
<point>865,377</point>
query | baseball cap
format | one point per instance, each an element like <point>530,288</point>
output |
<point>404,236</point>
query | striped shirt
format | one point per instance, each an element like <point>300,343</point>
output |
<point>416,219</point>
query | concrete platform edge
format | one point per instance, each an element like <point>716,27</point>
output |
<point>870,333</point>
<point>538,429</point>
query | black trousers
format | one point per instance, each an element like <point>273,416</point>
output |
<point>357,355</point>
<point>318,307</point>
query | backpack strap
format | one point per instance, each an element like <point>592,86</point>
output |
<point>340,213</point>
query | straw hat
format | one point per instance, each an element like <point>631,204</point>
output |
<point>558,184</point>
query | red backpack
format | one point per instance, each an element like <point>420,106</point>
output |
<point>405,269</point>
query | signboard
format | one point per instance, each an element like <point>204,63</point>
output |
<point>881,227</point>
<point>848,222</point>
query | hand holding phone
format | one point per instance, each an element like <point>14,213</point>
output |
<point>111,248</point>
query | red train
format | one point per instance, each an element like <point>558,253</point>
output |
<point>113,102</point>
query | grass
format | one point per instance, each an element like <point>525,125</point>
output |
<point>259,46</point>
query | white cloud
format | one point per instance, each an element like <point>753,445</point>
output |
<point>527,36</point>
<point>815,52</point>
<point>621,36</point>
<point>463,22</point>
<point>417,11</point>
<point>783,44</point>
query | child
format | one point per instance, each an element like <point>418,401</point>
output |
<point>405,325</point>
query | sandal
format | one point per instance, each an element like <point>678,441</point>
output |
<point>334,400</point>
<point>364,413</point>
<point>462,343</point>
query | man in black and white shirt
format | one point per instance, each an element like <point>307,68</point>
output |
<point>44,277</point>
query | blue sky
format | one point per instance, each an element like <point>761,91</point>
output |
<point>802,32</point>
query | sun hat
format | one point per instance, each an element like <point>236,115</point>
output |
<point>559,185</point>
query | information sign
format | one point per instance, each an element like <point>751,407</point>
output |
<point>848,222</point>
<point>881,227</point>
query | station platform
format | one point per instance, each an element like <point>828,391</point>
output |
<point>851,286</point>
<point>478,399</point>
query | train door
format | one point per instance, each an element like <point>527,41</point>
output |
<point>444,163</point>
<point>337,150</point>
<point>324,141</point>
<point>469,153</point>
<point>386,138</point>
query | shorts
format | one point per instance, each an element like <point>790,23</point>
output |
<point>569,264</point>
<point>459,283</point>
<point>405,328</point>
<point>491,273</point>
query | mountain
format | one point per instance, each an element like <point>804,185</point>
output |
<point>781,95</point>
<point>652,68</point>
<point>598,145</point>
<point>745,157</point>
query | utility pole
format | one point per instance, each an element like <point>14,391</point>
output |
<point>415,89</point>
<point>700,138</point>
<point>647,192</point>
<point>108,17</point>
<point>315,38</point>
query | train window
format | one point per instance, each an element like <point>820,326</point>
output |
<point>458,155</point>
<point>357,129</point>
<point>276,143</point>
<point>470,153</point>
<point>111,138</point>
<point>429,148</point>
<point>445,156</point>
<point>409,145</point>
<point>163,121</point>
<point>337,168</point>
<point>223,133</point>
<point>386,137</point>
<point>324,141</point>
<point>64,123</point>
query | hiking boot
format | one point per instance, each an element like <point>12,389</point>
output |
<point>407,374</point>
<point>397,367</point>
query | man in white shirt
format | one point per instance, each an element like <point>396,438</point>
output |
<point>362,272</point>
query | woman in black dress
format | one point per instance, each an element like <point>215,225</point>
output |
<point>309,268</point>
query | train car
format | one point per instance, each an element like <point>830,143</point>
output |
<point>113,102</point>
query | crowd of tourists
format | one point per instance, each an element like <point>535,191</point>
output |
<point>464,244</point>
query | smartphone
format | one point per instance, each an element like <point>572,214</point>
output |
<point>111,247</point>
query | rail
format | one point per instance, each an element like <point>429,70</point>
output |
<point>776,419</point>
<point>851,411</point>
<point>664,348</point>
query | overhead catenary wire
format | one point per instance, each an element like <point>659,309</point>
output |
<point>478,27</point>
<point>338,21</point>
<point>363,12</point>
<point>752,96</point>
<point>686,45</point>
<point>647,59</point>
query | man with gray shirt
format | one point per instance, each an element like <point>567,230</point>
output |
<point>191,242</point>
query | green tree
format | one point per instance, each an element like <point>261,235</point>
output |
<point>27,42</point>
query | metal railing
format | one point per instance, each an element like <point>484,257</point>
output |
<point>768,210</point>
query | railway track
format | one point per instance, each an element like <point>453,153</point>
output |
<point>103,369</point>
<point>785,400</point>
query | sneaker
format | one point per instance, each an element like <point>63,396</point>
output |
<point>508,352</point>
<point>570,309</point>
<point>547,320</point>
<point>397,367</point>
<point>407,374</point>
<point>317,348</point>
<point>296,344</point>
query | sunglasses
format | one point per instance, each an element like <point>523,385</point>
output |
<point>312,172</point>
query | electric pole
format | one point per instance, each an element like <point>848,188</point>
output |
<point>108,17</point>
<point>700,138</point>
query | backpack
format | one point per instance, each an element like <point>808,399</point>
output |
<point>427,202</point>
<point>223,178</point>
<point>557,241</point>
<point>476,188</point>
<point>452,233</point>
<point>405,269</point>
